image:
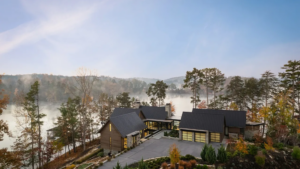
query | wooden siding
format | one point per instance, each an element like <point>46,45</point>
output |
<point>234,130</point>
<point>116,138</point>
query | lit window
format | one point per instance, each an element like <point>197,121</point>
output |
<point>109,127</point>
<point>125,142</point>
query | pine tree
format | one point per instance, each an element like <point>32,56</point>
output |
<point>124,100</point>
<point>210,155</point>
<point>222,155</point>
<point>217,80</point>
<point>203,152</point>
<point>31,105</point>
<point>290,78</point>
<point>192,80</point>
<point>157,91</point>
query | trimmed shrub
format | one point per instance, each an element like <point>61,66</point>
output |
<point>203,152</point>
<point>193,162</point>
<point>164,165</point>
<point>198,167</point>
<point>165,133</point>
<point>189,157</point>
<point>252,149</point>
<point>100,154</point>
<point>172,166</point>
<point>222,156</point>
<point>210,155</point>
<point>296,153</point>
<point>260,160</point>
<point>204,166</point>
<point>229,155</point>
<point>188,165</point>
<point>71,166</point>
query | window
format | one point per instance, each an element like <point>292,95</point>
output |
<point>188,136</point>
<point>215,137</point>
<point>109,127</point>
<point>134,140</point>
<point>125,142</point>
<point>152,125</point>
<point>176,123</point>
<point>200,137</point>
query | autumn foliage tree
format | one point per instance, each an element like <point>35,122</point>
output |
<point>202,105</point>
<point>172,107</point>
<point>174,154</point>
<point>241,147</point>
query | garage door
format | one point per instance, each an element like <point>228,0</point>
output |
<point>200,137</point>
<point>215,137</point>
<point>187,135</point>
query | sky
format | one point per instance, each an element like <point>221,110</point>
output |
<point>151,39</point>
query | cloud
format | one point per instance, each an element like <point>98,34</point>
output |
<point>49,18</point>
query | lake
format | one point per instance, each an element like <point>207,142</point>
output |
<point>52,112</point>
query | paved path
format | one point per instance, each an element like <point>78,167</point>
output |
<point>156,148</point>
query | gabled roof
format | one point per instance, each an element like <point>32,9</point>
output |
<point>121,111</point>
<point>151,112</point>
<point>127,123</point>
<point>233,118</point>
<point>199,121</point>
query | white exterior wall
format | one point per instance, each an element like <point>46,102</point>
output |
<point>129,141</point>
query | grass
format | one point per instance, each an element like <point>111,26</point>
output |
<point>83,166</point>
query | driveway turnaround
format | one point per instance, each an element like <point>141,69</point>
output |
<point>156,148</point>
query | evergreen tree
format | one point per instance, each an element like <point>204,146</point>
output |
<point>268,83</point>
<point>124,100</point>
<point>290,78</point>
<point>192,80</point>
<point>31,105</point>
<point>217,80</point>
<point>210,155</point>
<point>203,152</point>
<point>235,91</point>
<point>222,155</point>
<point>157,91</point>
<point>207,76</point>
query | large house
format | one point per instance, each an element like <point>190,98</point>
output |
<point>126,126</point>
<point>124,123</point>
<point>207,125</point>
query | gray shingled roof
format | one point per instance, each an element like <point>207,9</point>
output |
<point>121,111</point>
<point>154,112</point>
<point>202,121</point>
<point>128,123</point>
<point>232,118</point>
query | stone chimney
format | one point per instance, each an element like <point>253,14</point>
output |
<point>168,109</point>
<point>136,105</point>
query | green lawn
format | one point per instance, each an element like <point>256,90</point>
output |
<point>83,166</point>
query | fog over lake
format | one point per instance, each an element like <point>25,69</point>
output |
<point>51,110</point>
